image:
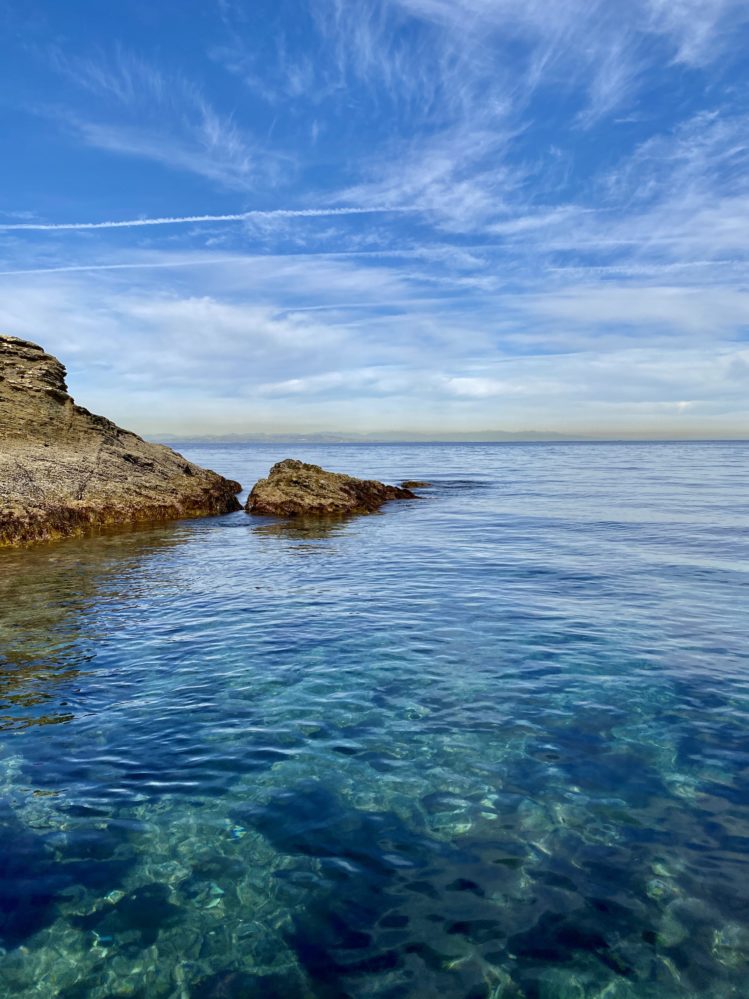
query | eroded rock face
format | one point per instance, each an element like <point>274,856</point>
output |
<point>296,489</point>
<point>64,470</point>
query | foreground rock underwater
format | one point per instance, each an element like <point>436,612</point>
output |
<point>64,470</point>
<point>296,489</point>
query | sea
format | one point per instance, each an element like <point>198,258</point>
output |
<point>492,743</point>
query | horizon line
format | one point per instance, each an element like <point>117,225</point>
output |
<point>447,437</point>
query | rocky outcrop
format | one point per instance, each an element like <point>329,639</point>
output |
<point>296,489</point>
<point>64,470</point>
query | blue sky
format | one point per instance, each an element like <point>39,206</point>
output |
<point>385,214</point>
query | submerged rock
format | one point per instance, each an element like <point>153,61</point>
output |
<point>294,488</point>
<point>415,484</point>
<point>64,470</point>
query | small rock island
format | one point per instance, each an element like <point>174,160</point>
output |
<point>296,489</point>
<point>64,471</point>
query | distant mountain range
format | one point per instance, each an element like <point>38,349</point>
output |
<point>390,437</point>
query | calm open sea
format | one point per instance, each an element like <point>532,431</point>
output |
<point>494,743</point>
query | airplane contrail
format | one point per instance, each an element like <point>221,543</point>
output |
<point>183,219</point>
<point>149,264</point>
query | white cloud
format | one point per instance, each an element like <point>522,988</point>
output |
<point>230,349</point>
<point>704,311</point>
<point>473,387</point>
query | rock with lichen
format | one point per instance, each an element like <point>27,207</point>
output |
<point>297,489</point>
<point>64,470</point>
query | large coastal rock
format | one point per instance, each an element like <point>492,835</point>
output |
<point>296,489</point>
<point>64,470</point>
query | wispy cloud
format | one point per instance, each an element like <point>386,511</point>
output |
<point>467,74</point>
<point>700,30</point>
<point>139,110</point>
<point>492,213</point>
<point>460,175</point>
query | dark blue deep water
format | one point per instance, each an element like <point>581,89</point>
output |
<point>489,745</point>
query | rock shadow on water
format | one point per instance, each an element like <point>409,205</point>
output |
<point>391,904</point>
<point>36,869</point>
<point>561,938</point>
<point>306,529</point>
<point>332,934</point>
<point>382,901</point>
<point>30,881</point>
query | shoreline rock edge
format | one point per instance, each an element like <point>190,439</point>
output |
<point>65,471</point>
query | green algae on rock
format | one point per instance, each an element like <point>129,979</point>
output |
<point>294,488</point>
<point>64,471</point>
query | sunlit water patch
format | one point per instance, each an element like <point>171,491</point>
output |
<point>493,743</point>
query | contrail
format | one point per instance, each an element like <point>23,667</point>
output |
<point>145,265</point>
<point>184,219</point>
<point>207,261</point>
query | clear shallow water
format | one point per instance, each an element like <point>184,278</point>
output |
<point>491,744</point>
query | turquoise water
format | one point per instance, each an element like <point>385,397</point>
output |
<point>494,743</point>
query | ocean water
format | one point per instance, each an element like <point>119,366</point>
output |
<point>493,743</point>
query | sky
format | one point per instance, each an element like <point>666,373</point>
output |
<point>376,215</point>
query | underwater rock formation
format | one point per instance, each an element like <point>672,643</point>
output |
<point>294,488</point>
<point>64,470</point>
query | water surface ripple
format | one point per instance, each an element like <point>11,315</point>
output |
<point>490,745</point>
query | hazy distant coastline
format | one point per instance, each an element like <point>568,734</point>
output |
<point>392,437</point>
<point>403,437</point>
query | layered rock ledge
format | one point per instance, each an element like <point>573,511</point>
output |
<point>296,489</point>
<point>64,470</point>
